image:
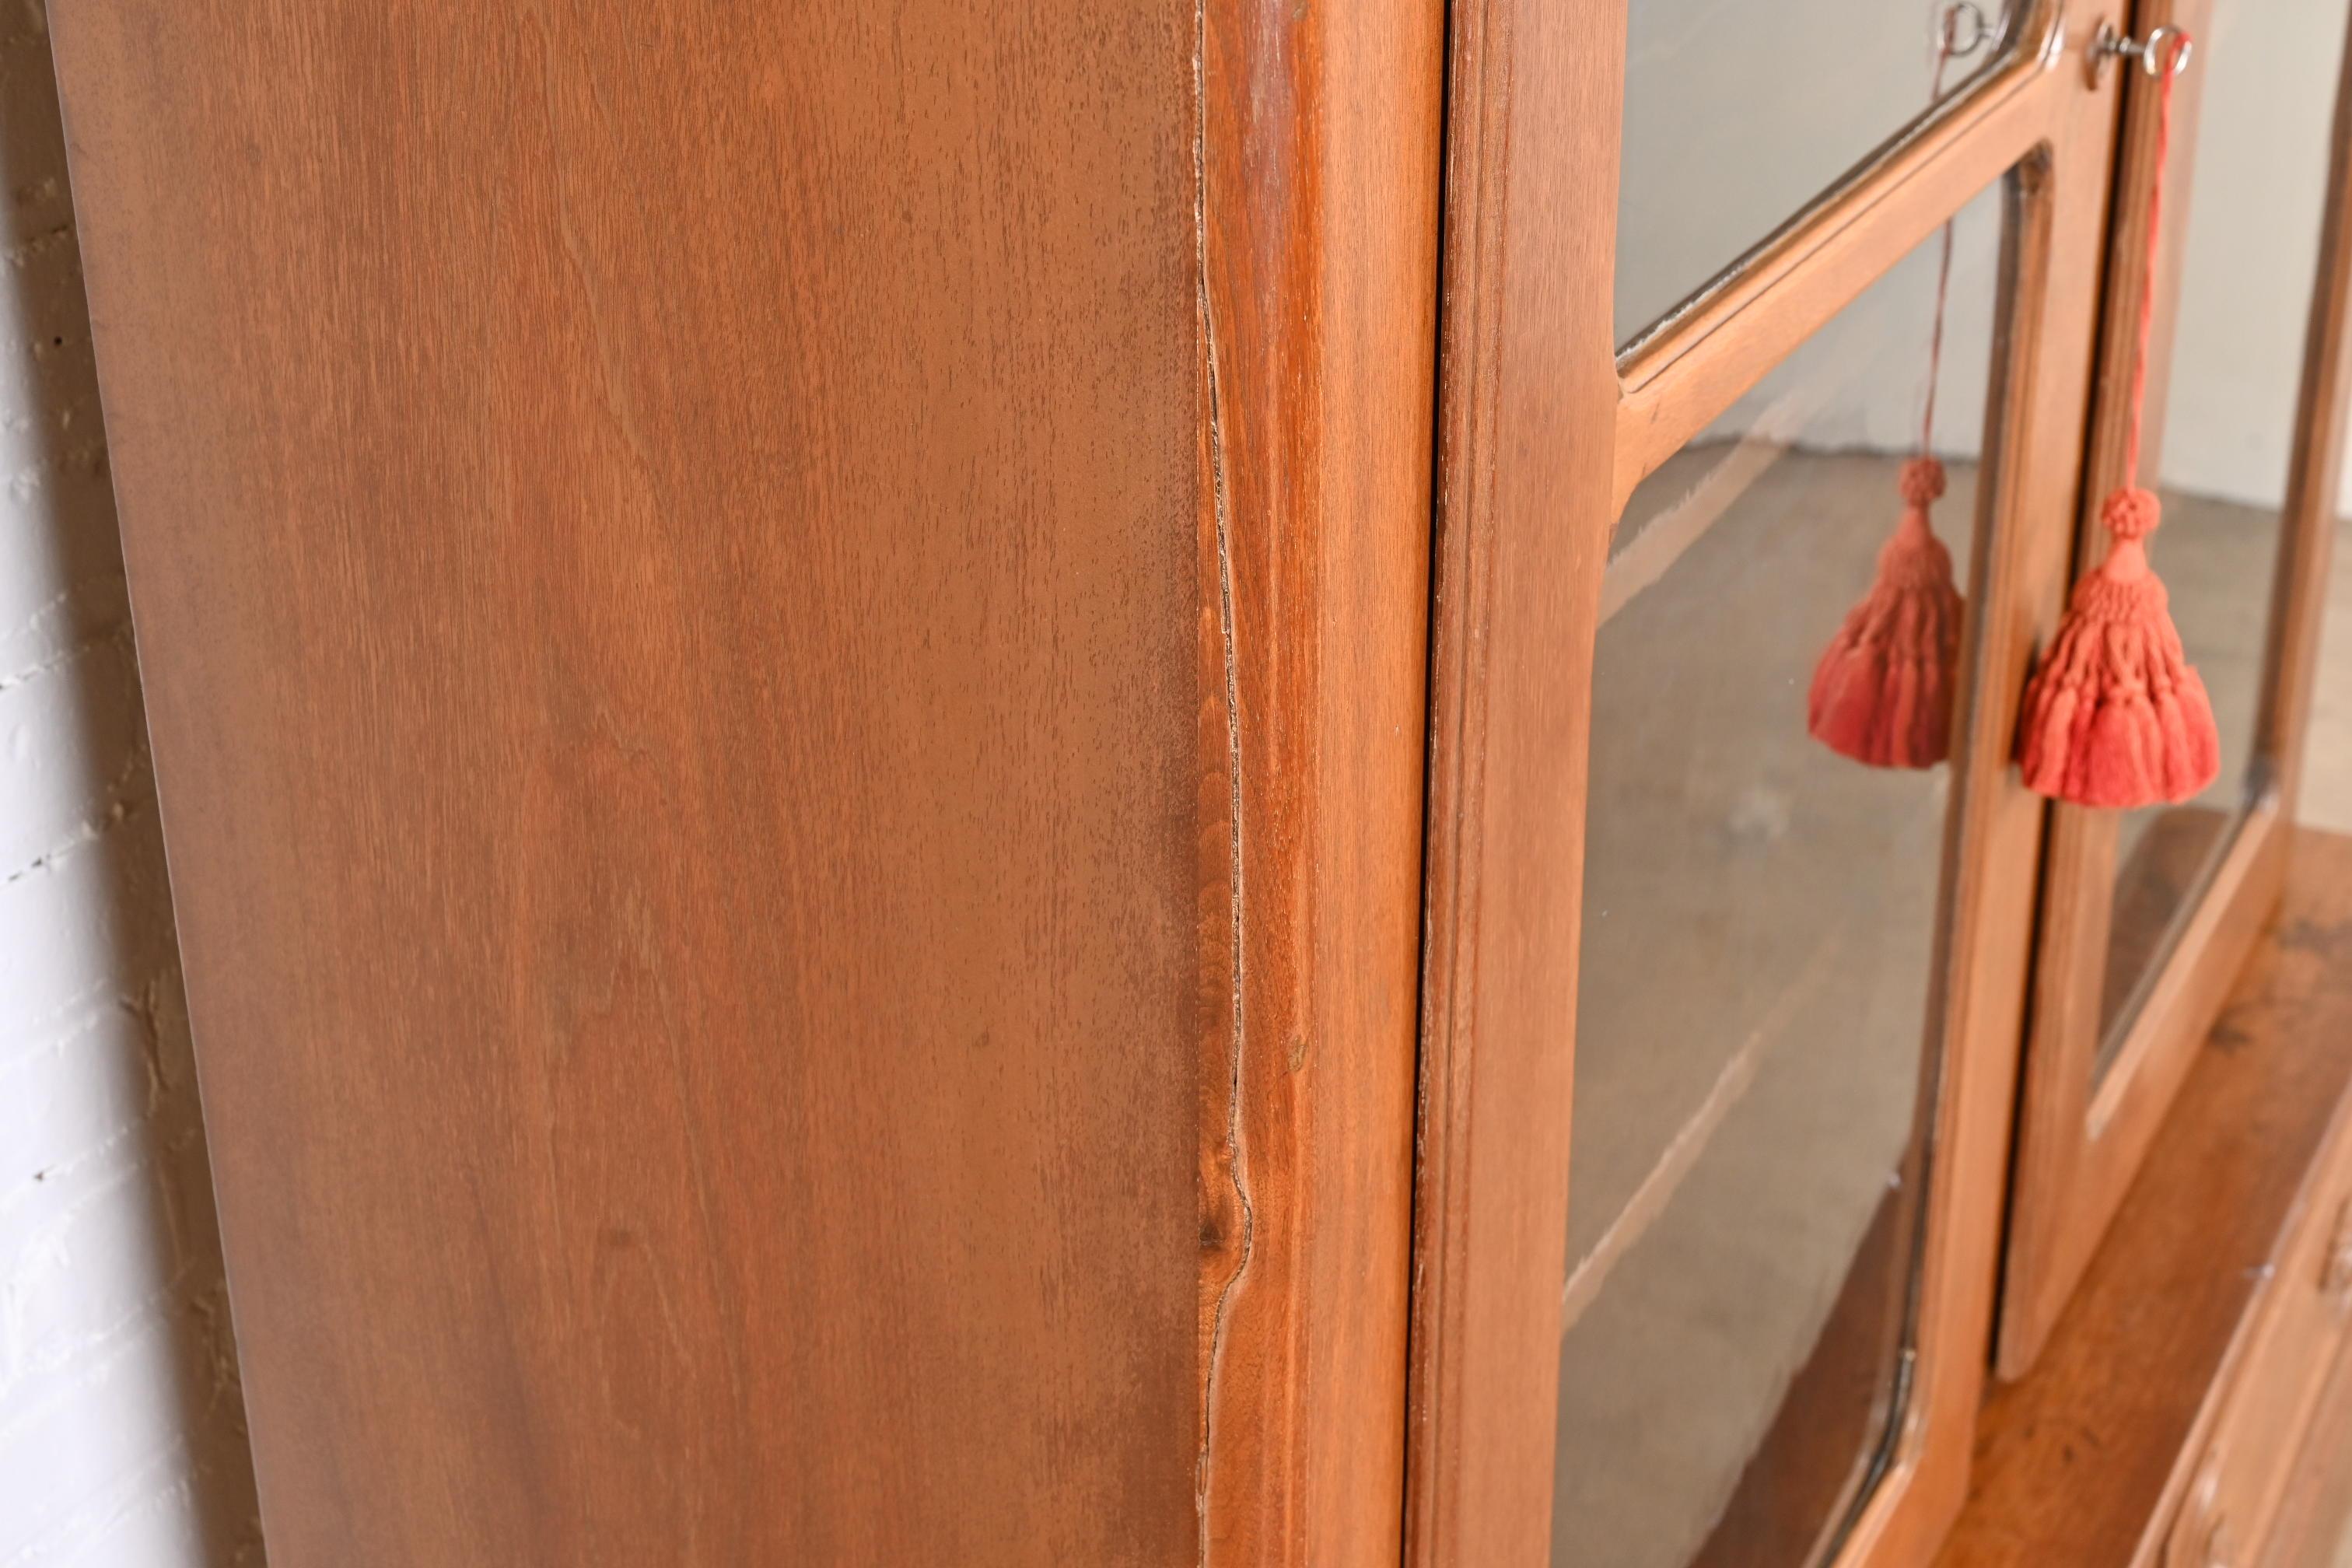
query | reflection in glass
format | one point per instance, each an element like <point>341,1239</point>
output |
<point>1753,1035</point>
<point>2256,183</point>
<point>1739,114</point>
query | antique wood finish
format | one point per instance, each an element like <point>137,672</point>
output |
<point>2083,1132</point>
<point>783,648</point>
<point>1525,456</point>
<point>1319,338</point>
<point>2088,1461</point>
<point>2315,1503</point>
<point>1528,499</point>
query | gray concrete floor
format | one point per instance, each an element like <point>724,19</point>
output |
<point>1760,920</point>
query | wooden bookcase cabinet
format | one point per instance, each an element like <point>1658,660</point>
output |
<point>875,793</point>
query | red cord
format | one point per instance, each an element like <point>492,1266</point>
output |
<point>2167,68</point>
<point>1944,265</point>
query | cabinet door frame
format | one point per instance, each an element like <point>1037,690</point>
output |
<point>2082,1131</point>
<point>1543,434</point>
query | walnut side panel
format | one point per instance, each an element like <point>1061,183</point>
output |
<point>688,643</point>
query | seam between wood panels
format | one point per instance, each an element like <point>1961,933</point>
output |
<point>1463,446</point>
<point>1236,1146</point>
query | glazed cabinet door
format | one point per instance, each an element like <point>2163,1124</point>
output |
<point>785,653</point>
<point>1768,345</point>
<point>2148,914</point>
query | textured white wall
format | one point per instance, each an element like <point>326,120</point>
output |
<point>121,1429</point>
<point>1736,114</point>
<point>2255,204</point>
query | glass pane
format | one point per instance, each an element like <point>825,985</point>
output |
<point>1733,126</point>
<point>2256,185</point>
<point>1753,1035</point>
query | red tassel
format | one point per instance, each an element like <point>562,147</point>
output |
<point>2115,715</point>
<point>1883,691</point>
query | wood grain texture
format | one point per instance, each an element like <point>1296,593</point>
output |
<point>2083,1462</point>
<point>2083,1130</point>
<point>2316,1507</point>
<point>1526,453</point>
<point>1320,181</point>
<point>690,563</point>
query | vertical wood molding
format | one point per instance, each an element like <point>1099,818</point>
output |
<point>1319,182</point>
<point>1527,455</point>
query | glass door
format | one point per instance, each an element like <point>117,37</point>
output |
<point>2147,914</point>
<point>1758,1044</point>
<point>1768,346</point>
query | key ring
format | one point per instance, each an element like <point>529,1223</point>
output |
<point>2151,52</point>
<point>1949,33</point>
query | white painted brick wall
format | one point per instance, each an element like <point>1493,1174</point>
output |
<point>122,1427</point>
